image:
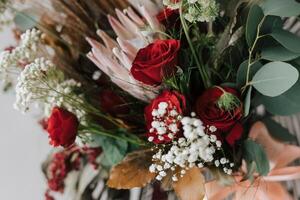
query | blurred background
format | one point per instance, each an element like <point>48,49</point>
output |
<point>23,147</point>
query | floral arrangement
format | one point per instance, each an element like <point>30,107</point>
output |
<point>161,92</point>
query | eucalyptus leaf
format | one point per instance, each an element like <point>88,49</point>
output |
<point>114,150</point>
<point>282,8</point>
<point>278,53</point>
<point>247,102</point>
<point>287,39</point>
<point>253,152</point>
<point>26,19</point>
<point>271,23</point>
<point>255,16</point>
<point>277,131</point>
<point>242,72</point>
<point>275,78</point>
<point>285,104</point>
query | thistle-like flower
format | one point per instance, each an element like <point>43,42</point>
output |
<point>115,57</point>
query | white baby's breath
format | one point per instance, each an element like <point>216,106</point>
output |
<point>26,52</point>
<point>196,148</point>
<point>41,82</point>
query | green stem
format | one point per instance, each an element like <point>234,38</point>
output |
<point>96,130</point>
<point>203,74</point>
<point>251,50</point>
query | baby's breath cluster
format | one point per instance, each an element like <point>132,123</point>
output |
<point>195,10</point>
<point>41,82</point>
<point>25,53</point>
<point>198,147</point>
<point>166,123</point>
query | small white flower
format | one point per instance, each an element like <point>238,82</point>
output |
<point>163,105</point>
<point>223,161</point>
<point>212,129</point>
<point>152,168</point>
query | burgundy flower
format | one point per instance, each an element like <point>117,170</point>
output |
<point>212,110</point>
<point>156,62</point>
<point>162,117</point>
<point>62,127</point>
<point>169,17</point>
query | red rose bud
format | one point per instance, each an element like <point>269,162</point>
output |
<point>156,62</point>
<point>62,127</point>
<point>163,117</point>
<point>168,17</point>
<point>221,108</point>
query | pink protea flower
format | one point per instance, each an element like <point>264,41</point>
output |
<point>115,57</point>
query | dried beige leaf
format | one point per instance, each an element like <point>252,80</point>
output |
<point>133,171</point>
<point>191,185</point>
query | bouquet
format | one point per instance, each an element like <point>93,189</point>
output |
<point>161,92</point>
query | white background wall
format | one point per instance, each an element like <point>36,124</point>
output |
<point>23,147</point>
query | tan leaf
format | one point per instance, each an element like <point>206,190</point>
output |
<point>133,171</point>
<point>191,185</point>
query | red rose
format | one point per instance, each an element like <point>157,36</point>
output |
<point>62,127</point>
<point>168,17</point>
<point>162,117</point>
<point>209,109</point>
<point>156,62</point>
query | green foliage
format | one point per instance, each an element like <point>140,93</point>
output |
<point>278,53</point>
<point>242,72</point>
<point>114,150</point>
<point>275,78</point>
<point>26,20</point>
<point>282,8</point>
<point>285,104</point>
<point>247,102</point>
<point>277,131</point>
<point>287,39</point>
<point>255,154</point>
<point>255,16</point>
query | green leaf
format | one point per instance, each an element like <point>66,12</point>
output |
<point>278,53</point>
<point>114,150</point>
<point>26,19</point>
<point>247,102</point>
<point>253,152</point>
<point>275,78</point>
<point>277,131</point>
<point>282,8</point>
<point>285,104</point>
<point>270,23</point>
<point>242,72</point>
<point>254,18</point>
<point>287,39</point>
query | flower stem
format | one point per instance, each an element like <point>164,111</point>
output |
<point>202,72</point>
<point>97,130</point>
<point>251,50</point>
